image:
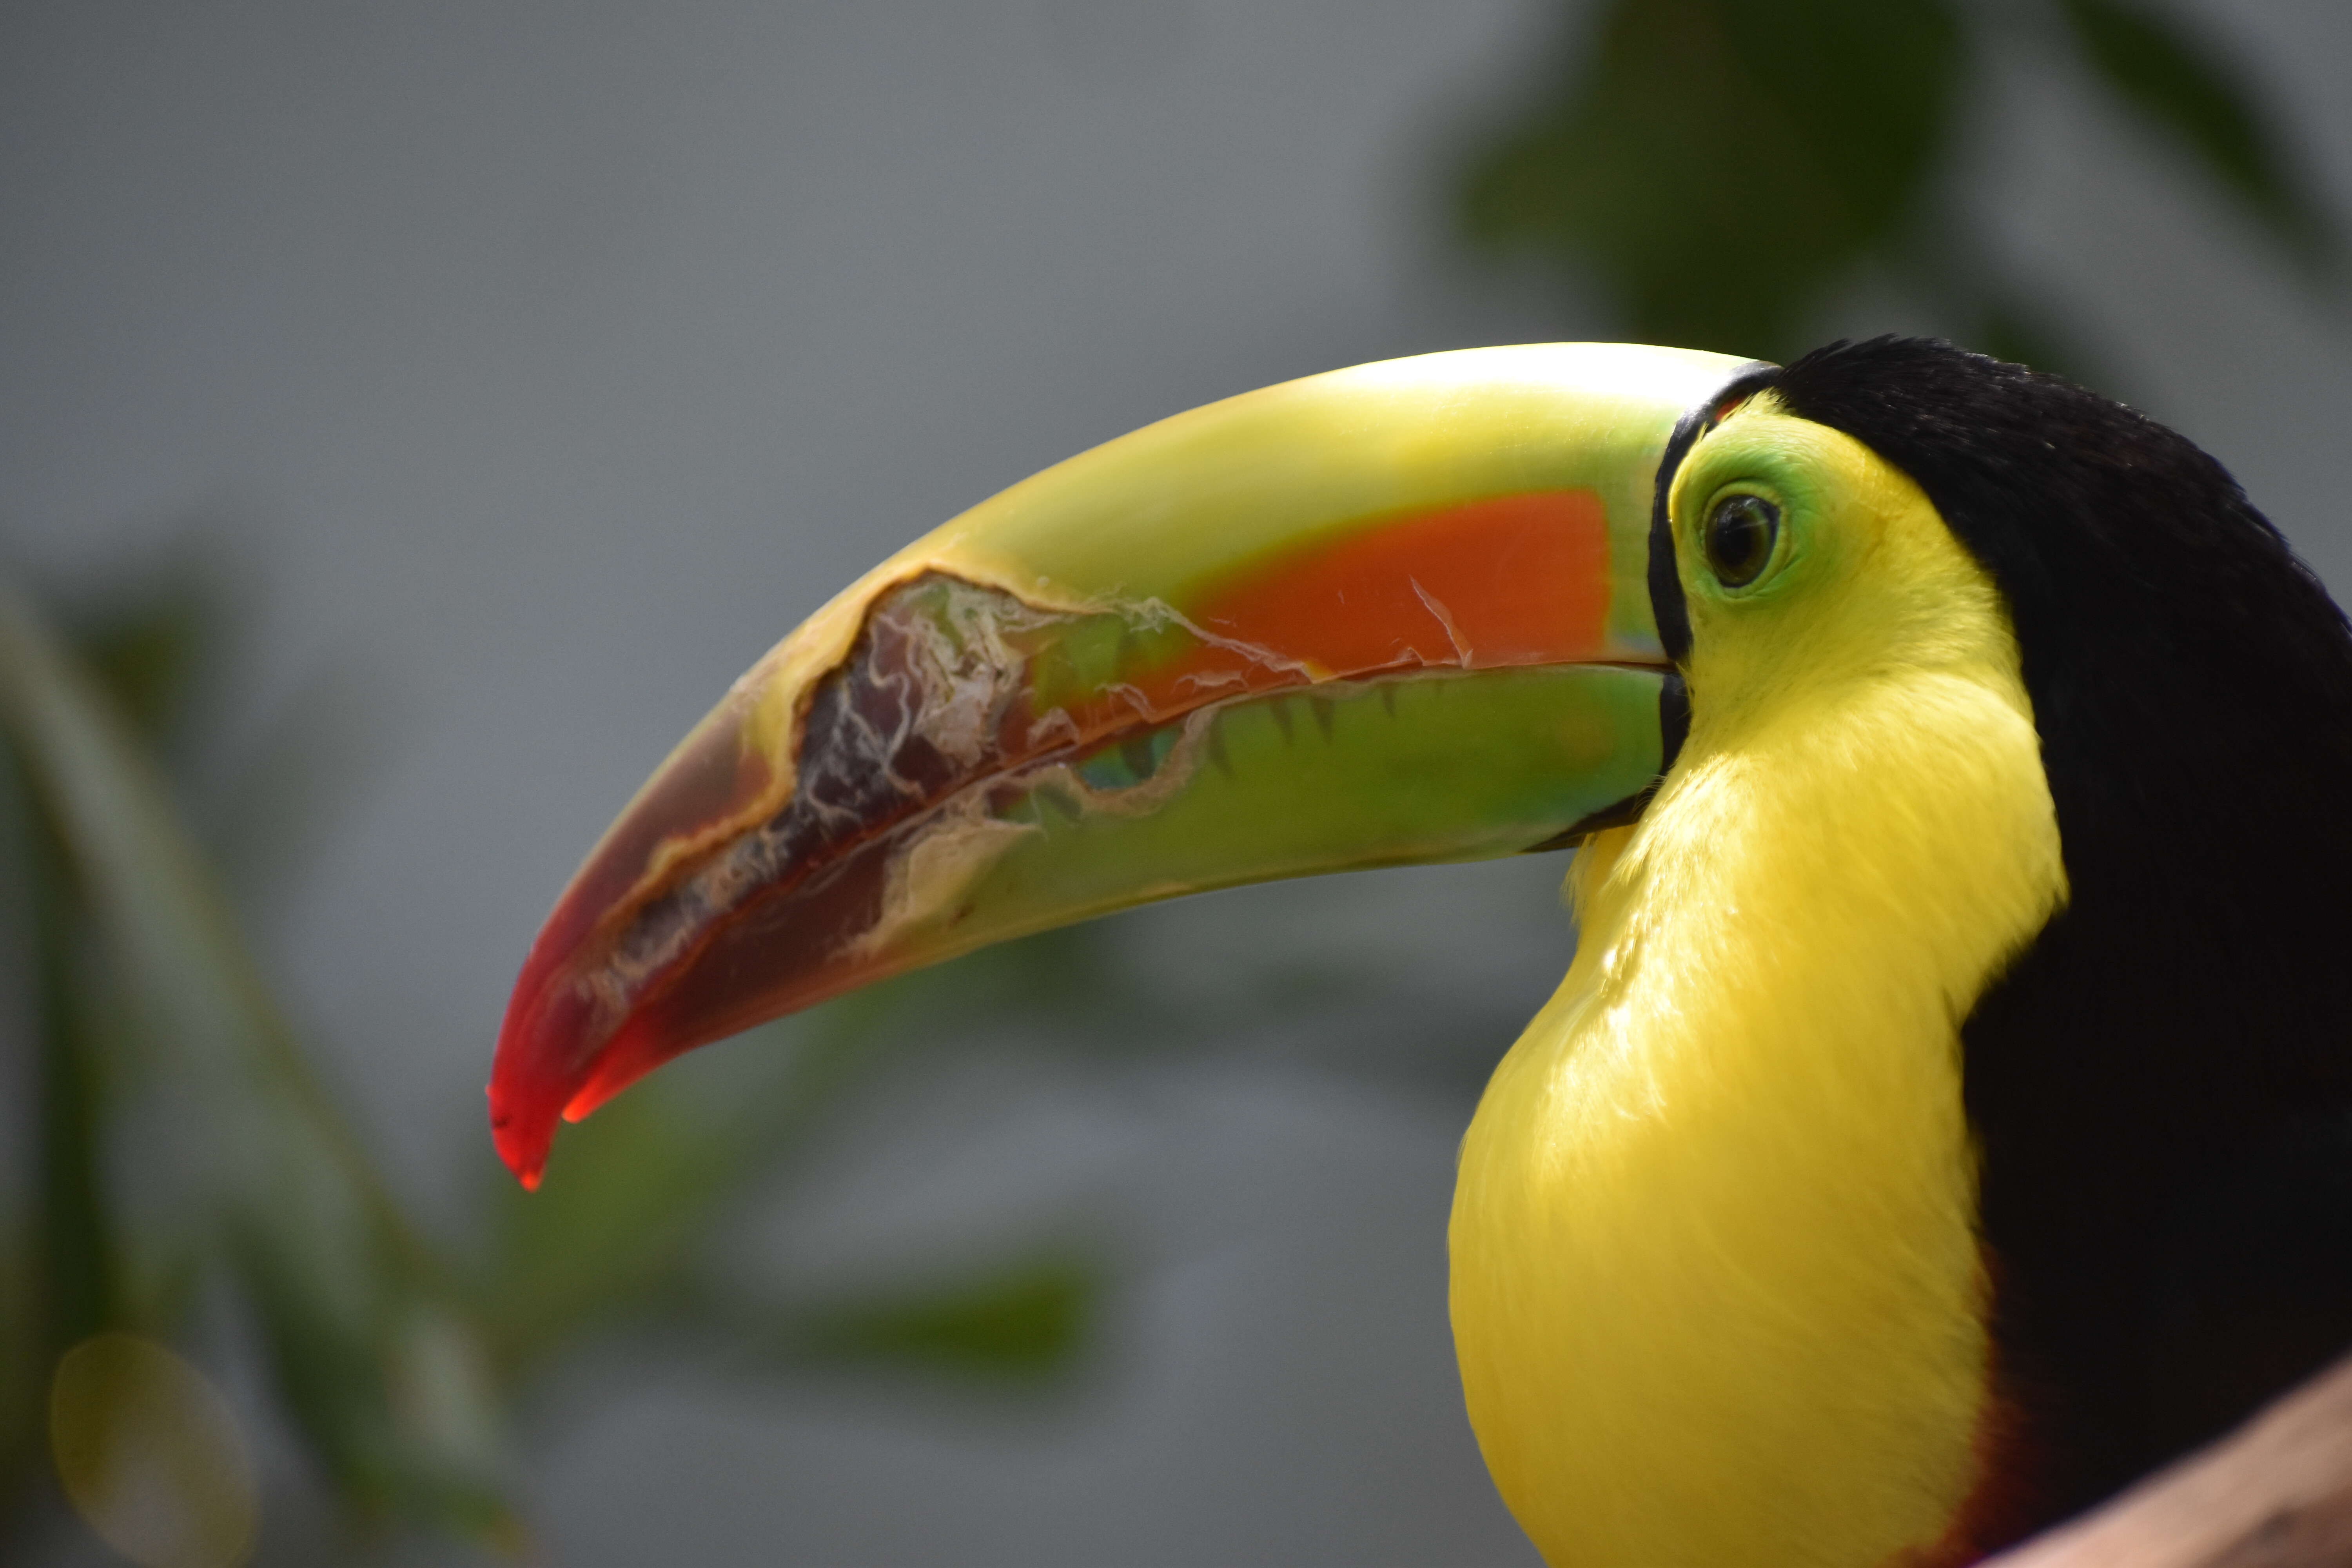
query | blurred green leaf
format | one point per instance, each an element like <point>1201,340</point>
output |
<point>259,1155</point>
<point>149,648</point>
<point>1026,1323</point>
<point>2189,89</point>
<point>1721,165</point>
<point>78,1252</point>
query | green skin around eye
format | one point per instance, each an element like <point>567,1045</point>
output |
<point>1762,454</point>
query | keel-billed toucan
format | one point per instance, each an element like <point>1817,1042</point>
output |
<point>1963,773</point>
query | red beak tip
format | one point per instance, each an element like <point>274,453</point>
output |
<point>526,1157</point>
<point>522,1130</point>
<point>525,1161</point>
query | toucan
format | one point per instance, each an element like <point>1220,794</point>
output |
<point>1939,1124</point>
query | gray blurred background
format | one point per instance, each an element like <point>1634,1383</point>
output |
<point>529,369</point>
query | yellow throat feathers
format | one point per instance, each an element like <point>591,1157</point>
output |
<point>1717,1291</point>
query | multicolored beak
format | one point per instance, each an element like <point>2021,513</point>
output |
<point>1395,614</point>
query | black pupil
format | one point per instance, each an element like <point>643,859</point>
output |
<point>1739,535</point>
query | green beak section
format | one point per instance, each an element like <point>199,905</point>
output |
<point>1386,616</point>
<point>1382,773</point>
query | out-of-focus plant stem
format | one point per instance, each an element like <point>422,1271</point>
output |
<point>79,1263</point>
<point>263,1173</point>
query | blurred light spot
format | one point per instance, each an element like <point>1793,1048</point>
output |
<point>149,1455</point>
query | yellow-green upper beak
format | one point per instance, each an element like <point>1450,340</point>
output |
<point>1391,614</point>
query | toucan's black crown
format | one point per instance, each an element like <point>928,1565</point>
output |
<point>2077,504</point>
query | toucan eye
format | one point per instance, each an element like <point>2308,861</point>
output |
<point>1739,538</point>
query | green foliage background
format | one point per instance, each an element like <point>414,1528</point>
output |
<point>1723,167</point>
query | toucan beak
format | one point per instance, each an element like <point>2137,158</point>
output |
<point>1390,614</point>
